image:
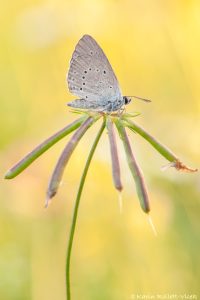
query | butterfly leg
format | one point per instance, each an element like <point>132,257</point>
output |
<point>121,111</point>
<point>107,108</point>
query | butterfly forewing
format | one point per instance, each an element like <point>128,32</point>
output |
<point>90,75</point>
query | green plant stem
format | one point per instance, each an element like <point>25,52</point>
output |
<point>134,168</point>
<point>75,212</point>
<point>162,149</point>
<point>44,146</point>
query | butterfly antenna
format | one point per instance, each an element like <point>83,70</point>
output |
<point>143,99</point>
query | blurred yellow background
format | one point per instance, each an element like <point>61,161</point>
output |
<point>154,48</point>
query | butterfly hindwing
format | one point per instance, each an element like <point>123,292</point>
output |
<point>90,75</point>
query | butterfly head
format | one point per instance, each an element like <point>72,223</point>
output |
<point>126,99</point>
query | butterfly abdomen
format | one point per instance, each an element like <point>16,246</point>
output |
<point>82,104</point>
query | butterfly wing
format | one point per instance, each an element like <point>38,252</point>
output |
<point>90,75</point>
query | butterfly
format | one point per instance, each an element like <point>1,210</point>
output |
<point>93,80</point>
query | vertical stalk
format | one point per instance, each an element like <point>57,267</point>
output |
<point>134,168</point>
<point>75,212</point>
<point>114,155</point>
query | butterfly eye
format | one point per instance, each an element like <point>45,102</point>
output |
<point>127,100</point>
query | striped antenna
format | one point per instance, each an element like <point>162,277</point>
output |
<point>143,99</point>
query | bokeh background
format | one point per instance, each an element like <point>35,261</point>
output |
<point>154,49</point>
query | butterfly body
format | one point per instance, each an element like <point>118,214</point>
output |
<point>105,106</point>
<point>93,80</point>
